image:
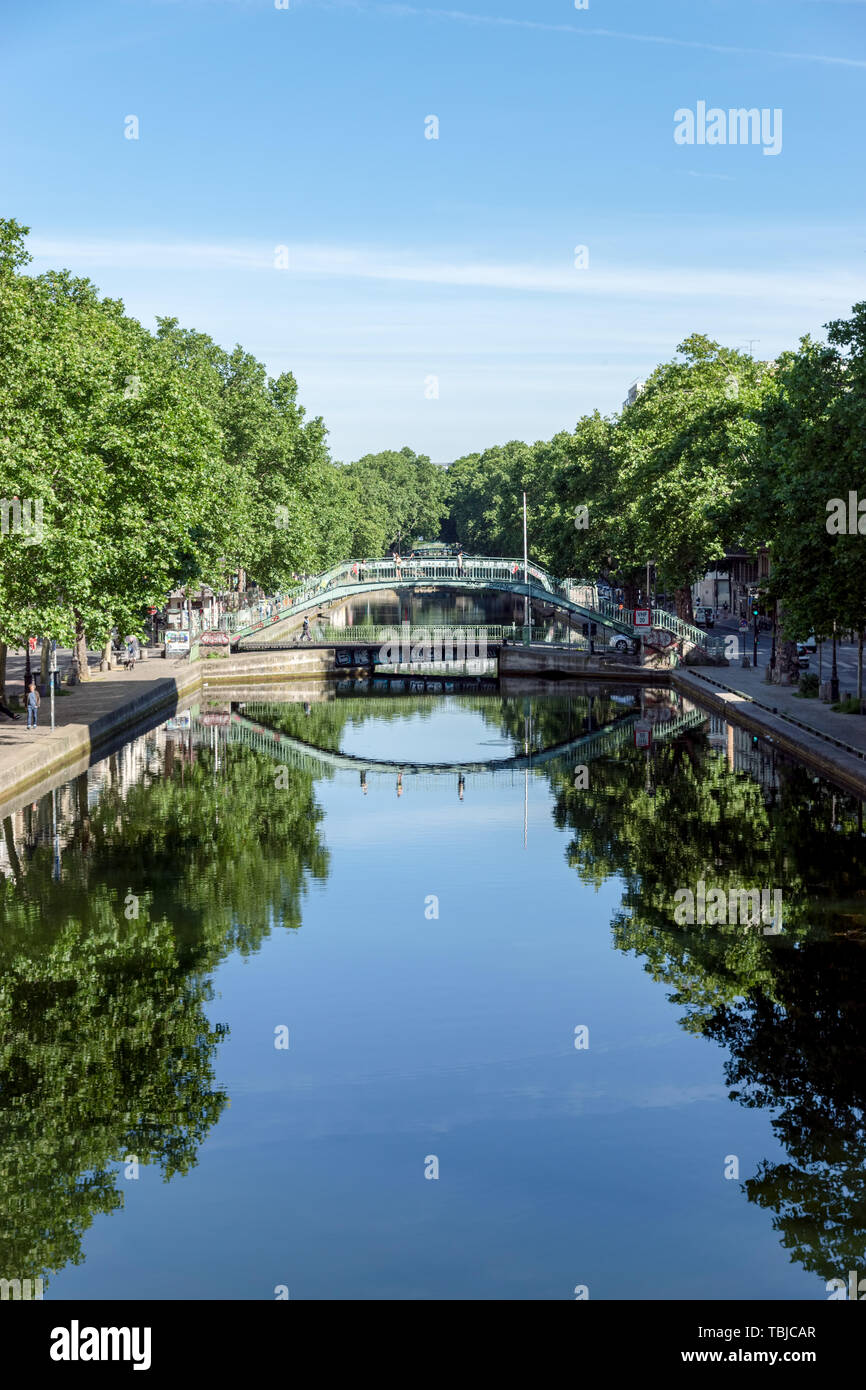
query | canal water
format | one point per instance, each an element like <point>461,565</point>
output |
<point>347,997</point>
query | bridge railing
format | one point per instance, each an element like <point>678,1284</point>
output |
<point>662,621</point>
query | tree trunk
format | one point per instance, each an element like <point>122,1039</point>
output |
<point>79,651</point>
<point>787,670</point>
<point>860,664</point>
<point>9,836</point>
<point>3,652</point>
<point>105,663</point>
<point>683,597</point>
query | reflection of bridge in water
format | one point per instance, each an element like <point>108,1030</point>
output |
<point>294,752</point>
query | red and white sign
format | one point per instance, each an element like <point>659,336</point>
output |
<point>643,617</point>
<point>643,735</point>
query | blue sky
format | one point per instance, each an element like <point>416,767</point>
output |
<point>412,258</point>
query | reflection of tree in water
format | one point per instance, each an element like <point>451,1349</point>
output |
<point>790,1009</point>
<point>553,719</point>
<point>802,1054</point>
<point>105,1047</point>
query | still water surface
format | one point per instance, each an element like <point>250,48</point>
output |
<point>431,943</point>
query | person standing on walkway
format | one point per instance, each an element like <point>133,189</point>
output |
<point>32,706</point>
<point>460,563</point>
<point>306,635</point>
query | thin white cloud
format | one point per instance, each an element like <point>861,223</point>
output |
<point>577,30</point>
<point>695,174</point>
<point>316,262</point>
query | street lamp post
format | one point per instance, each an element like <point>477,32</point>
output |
<point>527,631</point>
<point>834,674</point>
<point>52,674</point>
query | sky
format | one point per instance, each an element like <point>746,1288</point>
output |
<point>429,292</point>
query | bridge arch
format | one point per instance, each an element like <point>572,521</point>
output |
<point>476,573</point>
<point>286,748</point>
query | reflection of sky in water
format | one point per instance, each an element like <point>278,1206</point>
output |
<point>450,733</point>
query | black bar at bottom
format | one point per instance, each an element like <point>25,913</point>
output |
<point>57,1339</point>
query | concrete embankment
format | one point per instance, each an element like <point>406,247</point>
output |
<point>298,663</point>
<point>820,751</point>
<point>554,662</point>
<point>89,717</point>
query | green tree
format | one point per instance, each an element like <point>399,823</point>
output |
<point>812,453</point>
<point>403,494</point>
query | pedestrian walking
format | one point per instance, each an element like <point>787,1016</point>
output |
<point>306,635</point>
<point>32,706</point>
<point>460,562</point>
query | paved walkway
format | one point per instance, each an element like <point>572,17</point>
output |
<point>818,717</point>
<point>86,713</point>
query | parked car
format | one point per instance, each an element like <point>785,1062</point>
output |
<point>705,616</point>
<point>621,643</point>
